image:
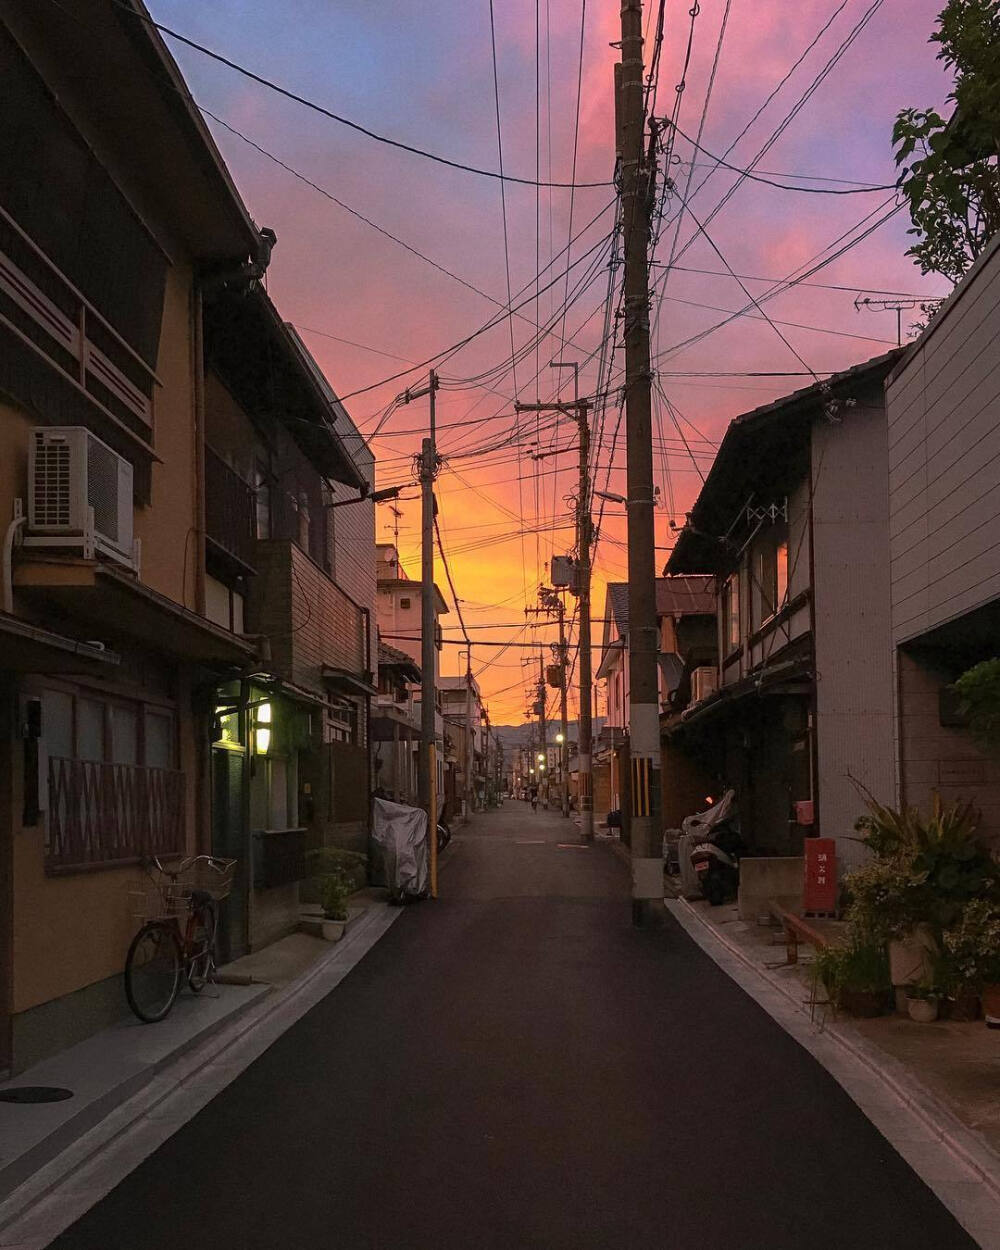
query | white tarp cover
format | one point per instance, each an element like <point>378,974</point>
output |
<point>399,837</point>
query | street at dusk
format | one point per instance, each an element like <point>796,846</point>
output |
<point>500,625</point>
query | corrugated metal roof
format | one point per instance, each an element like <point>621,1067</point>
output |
<point>686,594</point>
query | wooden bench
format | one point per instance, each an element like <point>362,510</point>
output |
<point>796,929</point>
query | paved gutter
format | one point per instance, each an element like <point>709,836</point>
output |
<point>187,1063</point>
<point>952,1159</point>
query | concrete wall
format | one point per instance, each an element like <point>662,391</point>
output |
<point>854,696</point>
<point>944,447</point>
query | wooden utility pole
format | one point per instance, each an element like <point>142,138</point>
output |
<point>551,603</point>
<point>563,709</point>
<point>427,778</point>
<point>638,178</point>
<point>469,752</point>
<point>543,764</point>
<point>581,410</point>
<point>584,527</point>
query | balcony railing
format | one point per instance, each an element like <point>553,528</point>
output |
<point>51,317</point>
<point>104,814</point>
<point>229,510</point>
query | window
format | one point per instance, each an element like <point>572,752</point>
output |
<point>770,575</point>
<point>114,792</point>
<point>404,605</point>
<point>262,501</point>
<point>731,613</point>
<point>92,727</point>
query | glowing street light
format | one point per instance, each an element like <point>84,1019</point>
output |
<point>560,739</point>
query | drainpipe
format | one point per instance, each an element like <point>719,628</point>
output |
<point>8,557</point>
<point>198,352</point>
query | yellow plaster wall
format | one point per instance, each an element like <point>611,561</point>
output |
<point>14,426</point>
<point>73,930</point>
<point>167,526</point>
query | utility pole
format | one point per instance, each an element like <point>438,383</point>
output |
<point>427,780</point>
<point>470,754</point>
<point>638,179</point>
<point>551,604</point>
<point>581,410</point>
<point>543,749</point>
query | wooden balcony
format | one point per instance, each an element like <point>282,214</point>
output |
<point>104,814</point>
<point>49,316</point>
<point>229,511</point>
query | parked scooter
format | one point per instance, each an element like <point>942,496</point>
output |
<point>715,857</point>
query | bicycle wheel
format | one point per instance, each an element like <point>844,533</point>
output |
<point>153,971</point>
<point>201,958</point>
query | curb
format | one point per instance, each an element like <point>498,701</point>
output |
<point>135,1099</point>
<point>23,1166</point>
<point>935,1116</point>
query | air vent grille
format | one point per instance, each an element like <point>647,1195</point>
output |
<point>51,482</point>
<point>102,488</point>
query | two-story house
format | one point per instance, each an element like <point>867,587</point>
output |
<point>115,209</point>
<point>396,725</point>
<point>685,610</point>
<point>290,755</point>
<point>943,402</point>
<point>399,599</point>
<point>792,521</point>
<point>462,709</point>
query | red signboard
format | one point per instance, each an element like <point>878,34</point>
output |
<point>821,875</point>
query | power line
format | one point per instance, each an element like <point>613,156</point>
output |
<point>782,186</point>
<point>336,117</point>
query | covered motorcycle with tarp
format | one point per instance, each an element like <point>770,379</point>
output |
<point>399,850</point>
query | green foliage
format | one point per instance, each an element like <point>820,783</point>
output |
<point>979,690</point>
<point>886,901</point>
<point>971,949</point>
<point>948,169</point>
<point>862,965</point>
<point>336,874</point>
<point>334,889</point>
<point>923,870</point>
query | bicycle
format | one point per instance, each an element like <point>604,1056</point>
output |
<point>163,952</point>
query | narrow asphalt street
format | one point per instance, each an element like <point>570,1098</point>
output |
<point>516,1066</point>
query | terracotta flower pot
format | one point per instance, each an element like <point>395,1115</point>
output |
<point>991,1005</point>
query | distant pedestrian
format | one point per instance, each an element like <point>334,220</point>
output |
<point>533,796</point>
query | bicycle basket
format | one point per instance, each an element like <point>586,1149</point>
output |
<point>210,875</point>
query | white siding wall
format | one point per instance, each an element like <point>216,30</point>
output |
<point>854,694</point>
<point>944,463</point>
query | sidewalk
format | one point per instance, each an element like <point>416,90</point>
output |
<point>947,1072</point>
<point>108,1069</point>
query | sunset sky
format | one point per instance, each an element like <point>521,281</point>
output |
<point>422,73</point>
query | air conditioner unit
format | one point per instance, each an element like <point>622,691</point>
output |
<point>79,495</point>
<point>704,681</point>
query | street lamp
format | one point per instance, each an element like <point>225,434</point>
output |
<point>541,756</point>
<point>560,739</point>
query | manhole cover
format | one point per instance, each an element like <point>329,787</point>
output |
<point>35,1093</point>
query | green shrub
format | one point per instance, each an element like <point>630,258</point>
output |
<point>862,965</point>
<point>979,690</point>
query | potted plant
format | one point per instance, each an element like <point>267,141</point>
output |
<point>855,976</point>
<point>923,873</point>
<point>972,949</point>
<point>923,1003</point>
